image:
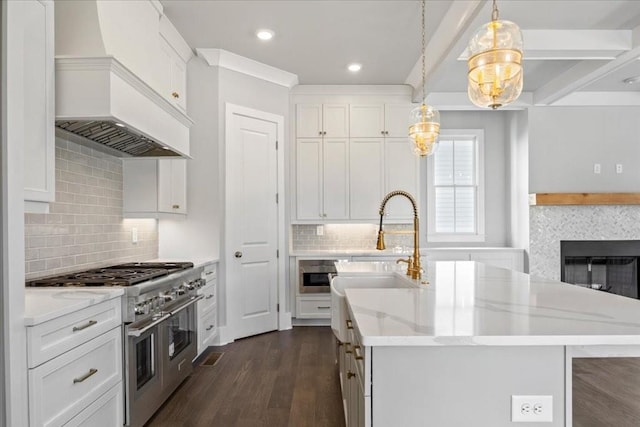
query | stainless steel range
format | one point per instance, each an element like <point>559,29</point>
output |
<point>160,335</point>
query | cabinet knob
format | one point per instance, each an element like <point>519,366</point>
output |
<point>350,375</point>
<point>176,95</point>
<point>176,206</point>
<point>238,254</point>
<point>320,133</point>
<point>382,132</point>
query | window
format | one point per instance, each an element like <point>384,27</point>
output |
<point>455,190</point>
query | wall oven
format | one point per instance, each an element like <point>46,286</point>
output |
<point>315,275</point>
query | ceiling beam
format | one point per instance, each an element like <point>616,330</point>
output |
<point>453,25</point>
<point>572,44</point>
<point>580,76</point>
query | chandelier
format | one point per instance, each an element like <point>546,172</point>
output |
<point>424,132</point>
<point>495,63</point>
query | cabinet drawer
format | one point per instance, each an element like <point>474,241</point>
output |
<point>208,327</point>
<point>210,272</point>
<point>64,386</point>
<point>49,339</point>
<point>107,411</point>
<point>209,299</point>
<point>316,308</point>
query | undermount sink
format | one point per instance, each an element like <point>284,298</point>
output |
<point>373,278</point>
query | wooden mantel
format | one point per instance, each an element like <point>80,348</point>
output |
<point>551,199</point>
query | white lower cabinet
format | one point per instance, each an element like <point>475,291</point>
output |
<point>313,306</point>
<point>80,383</point>
<point>354,362</point>
<point>207,309</point>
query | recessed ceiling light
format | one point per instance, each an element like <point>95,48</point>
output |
<point>632,80</point>
<point>354,68</point>
<point>265,34</point>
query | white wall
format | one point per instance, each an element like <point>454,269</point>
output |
<point>518,197</point>
<point>565,142</point>
<point>496,163</point>
<point>201,233</point>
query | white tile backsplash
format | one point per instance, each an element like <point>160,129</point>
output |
<point>346,236</point>
<point>551,224</point>
<point>84,227</point>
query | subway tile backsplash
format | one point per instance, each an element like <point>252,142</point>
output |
<point>346,236</point>
<point>84,227</point>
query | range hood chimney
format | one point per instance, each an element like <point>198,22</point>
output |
<point>106,72</point>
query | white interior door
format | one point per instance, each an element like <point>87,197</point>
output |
<point>251,224</point>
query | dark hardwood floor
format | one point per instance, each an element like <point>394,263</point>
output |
<point>606,392</point>
<point>290,378</point>
<point>286,378</point>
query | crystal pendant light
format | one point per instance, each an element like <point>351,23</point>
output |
<point>495,63</point>
<point>424,132</point>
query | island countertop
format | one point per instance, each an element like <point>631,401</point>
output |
<point>468,303</point>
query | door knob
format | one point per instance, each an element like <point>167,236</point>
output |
<point>238,254</point>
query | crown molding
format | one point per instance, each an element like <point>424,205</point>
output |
<point>231,61</point>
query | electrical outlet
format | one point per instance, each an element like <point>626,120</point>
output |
<point>619,168</point>
<point>134,235</point>
<point>596,168</point>
<point>320,230</point>
<point>531,409</point>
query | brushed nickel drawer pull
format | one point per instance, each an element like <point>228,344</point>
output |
<point>91,372</point>
<point>323,307</point>
<point>208,273</point>
<point>356,350</point>
<point>209,328</point>
<point>349,324</point>
<point>176,206</point>
<point>209,296</point>
<point>85,326</point>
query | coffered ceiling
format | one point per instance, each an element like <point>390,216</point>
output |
<point>576,52</point>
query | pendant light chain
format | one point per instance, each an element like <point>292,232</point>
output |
<point>424,52</point>
<point>494,12</point>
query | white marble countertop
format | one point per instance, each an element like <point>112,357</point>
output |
<point>197,262</point>
<point>468,303</point>
<point>43,304</point>
<point>391,253</point>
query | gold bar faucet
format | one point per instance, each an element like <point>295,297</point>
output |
<point>414,269</point>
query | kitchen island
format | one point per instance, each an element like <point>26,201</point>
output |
<point>455,351</point>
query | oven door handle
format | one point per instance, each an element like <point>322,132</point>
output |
<point>136,332</point>
<point>186,304</point>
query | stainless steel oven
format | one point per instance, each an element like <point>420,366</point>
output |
<point>315,275</point>
<point>158,354</point>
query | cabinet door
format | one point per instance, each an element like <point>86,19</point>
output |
<point>396,120</point>
<point>309,179</point>
<point>335,120</point>
<point>36,55</point>
<point>335,171</point>
<point>400,173</point>
<point>308,120</point>
<point>366,120</point>
<point>140,187</point>
<point>179,83</point>
<point>365,177</point>
<point>172,186</point>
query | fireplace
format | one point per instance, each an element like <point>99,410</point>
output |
<point>607,265</point>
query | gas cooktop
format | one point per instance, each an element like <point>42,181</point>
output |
<point>116,275</point>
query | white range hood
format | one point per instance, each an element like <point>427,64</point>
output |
<point>104,76</point>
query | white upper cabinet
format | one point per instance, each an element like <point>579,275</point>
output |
<point>34,28</point>
<point>154,187</point>
<point>366,177</point>
<point>175,56</point>
<point>323,181</point>
<point>366,120</point>
<point>322,120</point>
<point>379,120</point>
